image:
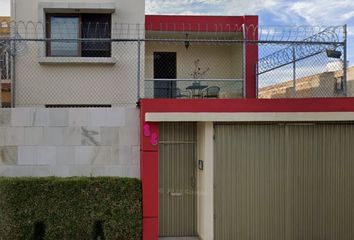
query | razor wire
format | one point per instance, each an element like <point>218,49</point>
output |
<point>127,74</point>
<point>327,39</point>
<point>312,67</point>
<point>36,30</point>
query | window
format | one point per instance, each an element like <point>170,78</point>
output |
<point>4,65</point>
<point>339,83</point>
<point>74,26</point>
<point>4,25</point>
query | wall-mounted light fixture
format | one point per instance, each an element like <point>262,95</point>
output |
<point>187,43</point>
<point>332,53</point>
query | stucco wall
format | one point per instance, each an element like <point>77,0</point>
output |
<point>38,84</point>
<point>224,61</point>
<point>69,142</point>
<point>41,80</point>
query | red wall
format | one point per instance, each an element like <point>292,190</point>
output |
<point>149,177</point>
<point>193,23</point>
<point>249,105</point>
<point>251,23</point>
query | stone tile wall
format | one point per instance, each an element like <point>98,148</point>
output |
<point>69,142</point>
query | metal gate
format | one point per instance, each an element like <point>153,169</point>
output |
<point>177,181</point>
<point>284,181</point>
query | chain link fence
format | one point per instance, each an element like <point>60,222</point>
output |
<point>128,70</point>
<point>308,68</point>
<point>98,79</point>
<point>120,64</point>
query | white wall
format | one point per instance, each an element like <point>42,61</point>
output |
<point>71,83</point>
<point>224,61</point>
<point>126,11</point>
<point>69,142</point>
<point>205,181</point>
<point>43,80</point>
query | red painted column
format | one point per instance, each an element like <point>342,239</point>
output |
<point>149,176</point>
<point>251,32</point>
<point>149,165</point>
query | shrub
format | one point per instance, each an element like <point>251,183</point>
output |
<point>70,208</point>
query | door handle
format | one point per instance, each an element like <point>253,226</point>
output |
<point>176,194</point>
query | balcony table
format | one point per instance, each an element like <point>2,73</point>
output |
<point>196,90</point>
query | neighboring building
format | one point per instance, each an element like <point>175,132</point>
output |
<point>350,81</point>
<point>5,67</point>
<point>328,84</point>
<point>172,100</point>
<point>5,26</point>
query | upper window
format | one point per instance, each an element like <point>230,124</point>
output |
<point>66,28</point>
<point>4,25</point>
<point>4,66</point>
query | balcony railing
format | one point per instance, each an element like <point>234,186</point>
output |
<point>194,88</point>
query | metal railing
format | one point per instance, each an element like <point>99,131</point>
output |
<point>192,88</point>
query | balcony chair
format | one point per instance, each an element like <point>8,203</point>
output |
<point>211,92</point>
<point>182,94</point>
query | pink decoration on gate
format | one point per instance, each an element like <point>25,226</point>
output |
<point>154,140</point>
<point>147,130</point>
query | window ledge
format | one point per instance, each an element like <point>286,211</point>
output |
<point>77,60</point>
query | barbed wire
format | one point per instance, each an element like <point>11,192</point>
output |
<point>196,31</point>
<point>327,39</point>
<point>279,46</point>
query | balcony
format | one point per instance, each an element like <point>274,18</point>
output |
<point>192,89</point>
<point>188,66</point>
<point>225,65</point>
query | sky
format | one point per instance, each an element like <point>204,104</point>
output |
<point>270,12</point>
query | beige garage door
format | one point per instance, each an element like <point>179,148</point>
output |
<point>177,182</point>
<point>282,181</point>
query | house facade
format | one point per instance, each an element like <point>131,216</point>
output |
<point>100,89</point>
